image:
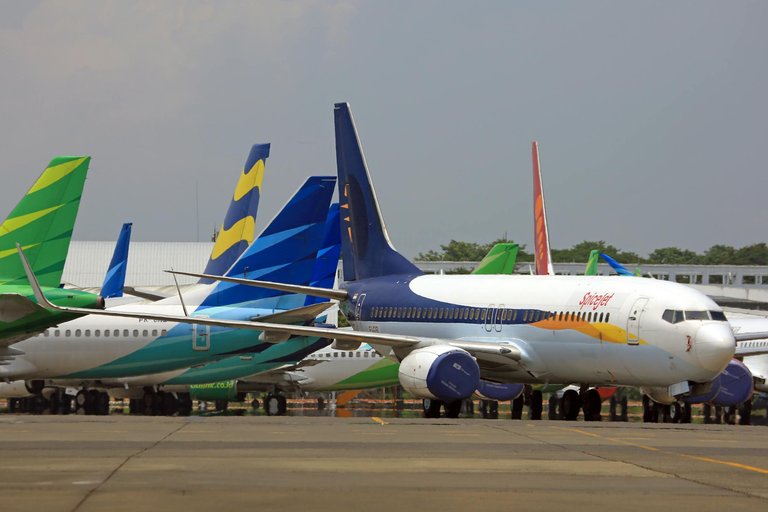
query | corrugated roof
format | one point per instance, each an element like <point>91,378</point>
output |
<point>87,262</point>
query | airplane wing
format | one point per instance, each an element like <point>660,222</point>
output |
<point>751,344</point>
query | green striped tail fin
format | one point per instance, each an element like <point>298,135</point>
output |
<point>42,223</point>
<point>501,259</point>
<point>594,259</point>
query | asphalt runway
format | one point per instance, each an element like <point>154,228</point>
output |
<point>124,463</point>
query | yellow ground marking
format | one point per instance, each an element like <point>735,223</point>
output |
<point>378,420</point>
<point>732,464</point>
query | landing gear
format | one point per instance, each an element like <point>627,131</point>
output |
<point>453,409</point>
<point>745,413</point>
<point>730,415</point>
<point>536,405</point>
<point>592,405</point>
<point>431,407</point>
<point>517,407</point>
<point>552,407</point>
<point>570,404</point>
<point>275,404</point>
<point>185,404</point>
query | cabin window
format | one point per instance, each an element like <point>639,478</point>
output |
<point>68,333</point>
<point>164,332</point>
<point>88,333</point>
<point>154,332</point>
<point>78,333</point>
<point>365,354</point>
<point>601,318</point>
<point>45,333</point>
<point>335,354</point>
<point>145,333</point>
<point>135,333</point>
<point>97,333</point>
<point>56,333</point>
<point>442,313</point>
<point>607,316</point>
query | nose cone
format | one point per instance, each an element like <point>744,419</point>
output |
<point>714,346</point>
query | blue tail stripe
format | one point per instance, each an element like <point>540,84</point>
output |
<point>284,252</point>
<point>324,274</point>
<point>365,245</point>
<point>114,281</point>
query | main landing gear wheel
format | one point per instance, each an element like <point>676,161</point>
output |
<point>745,413</point>
<point>431,407</point>
<point>570,404</point>
<point>537,405</point>
<point>517,407</point>
<point>452,409</point>
<point>275,404</point>
<point>592,405</point>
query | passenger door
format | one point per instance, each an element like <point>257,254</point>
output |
<point>633,321</point>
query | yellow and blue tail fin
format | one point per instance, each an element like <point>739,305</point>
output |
<point>239,228</point>
<point>42,223</point>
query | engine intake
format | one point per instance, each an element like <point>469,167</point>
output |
<point>440,371</point>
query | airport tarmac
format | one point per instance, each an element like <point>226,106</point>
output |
<point>130,463</point>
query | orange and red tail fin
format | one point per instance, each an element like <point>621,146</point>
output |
<point>540,230</point>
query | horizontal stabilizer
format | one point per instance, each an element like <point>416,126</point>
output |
<point>290,288</point>
<point>300,315</point>
<point>14,307</point>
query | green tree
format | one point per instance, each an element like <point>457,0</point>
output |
<point>719,255</point>
<point>756,254</point>
<point>465,251</point>
<point>673,256</point>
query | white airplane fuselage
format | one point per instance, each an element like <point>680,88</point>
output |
<point>569,329</point>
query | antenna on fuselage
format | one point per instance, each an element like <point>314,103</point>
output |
<point>181,298</point>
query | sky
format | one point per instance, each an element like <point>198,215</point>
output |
<point>651,117</point>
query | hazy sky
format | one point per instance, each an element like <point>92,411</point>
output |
<point>652,117</point>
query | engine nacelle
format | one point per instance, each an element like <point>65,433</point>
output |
<point>659,395</point>
<point>15,389</point>
<point>732,387</point>
<point>345,345</point>
<point>495,391</point>
<point>441,372</point>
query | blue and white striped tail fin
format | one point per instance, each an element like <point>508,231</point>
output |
<point>284,252</point>
<point>327,261</point>
<point>114,281</point>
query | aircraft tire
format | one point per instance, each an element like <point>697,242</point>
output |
<point>255,404</point>
<point>517,408</point>
<point>282,404</point>
<point>221,405</point>
<point>729,418</point>
<point>102,404</point>
<point>552,406</point>
<point>592,406</point>
<point>745,413</point>
<point>185,404</point>
<point>13,404</point>
<point>431,407</point>
<point>150,402</point>
<point>453,409</point>
<point>54,403</point>
<point>570,404</point>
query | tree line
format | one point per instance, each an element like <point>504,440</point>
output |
<point>755,254</point>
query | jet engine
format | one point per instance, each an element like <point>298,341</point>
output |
<point>440,372</point>
<point>495,391</point>
<point>15,389</point>
<point>732,387</point>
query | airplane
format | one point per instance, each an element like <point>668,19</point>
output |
<point>96,348</point>
<point>42,223</point>
<point>452,331</point>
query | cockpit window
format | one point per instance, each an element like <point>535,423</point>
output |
<point>676,316</point>
<point>718,315</point>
